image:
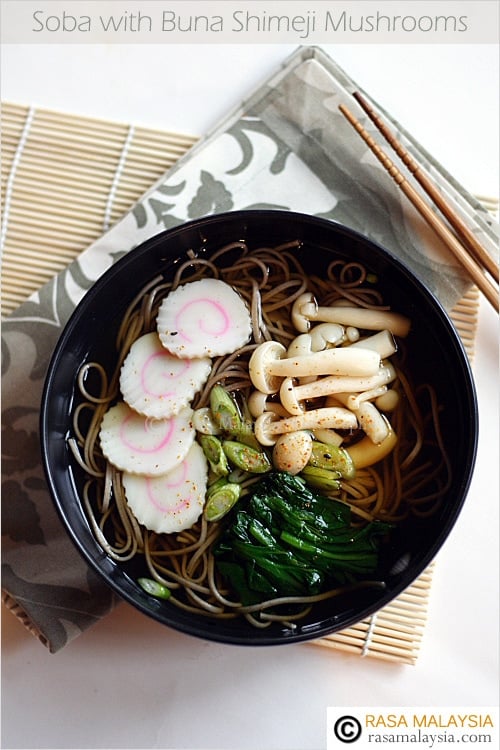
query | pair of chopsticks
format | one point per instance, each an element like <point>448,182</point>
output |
<point>456,235</point>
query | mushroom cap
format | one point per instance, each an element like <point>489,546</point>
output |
<point>258,403</point>
<point>289,398</point>
<point>292,451</point>
<point>300,346</point>
<point>259,364</point>
<point>261,428</point>
<point>299,320</point>
<point>326,333</point>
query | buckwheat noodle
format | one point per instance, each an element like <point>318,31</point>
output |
<point>408,481</point>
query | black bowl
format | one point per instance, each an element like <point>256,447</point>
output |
<point>440,359</point>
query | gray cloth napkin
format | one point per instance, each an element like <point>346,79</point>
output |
<point>288,147</point>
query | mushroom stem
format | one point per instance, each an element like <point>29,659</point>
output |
<point>381,342</point>
<point>259,402</point>
<point>328,362</point>
<point>269,363</point>
<point>321,336</point>
<point>369,319</point>
<point>267,428</point>
<point>291,395</point>
<point>328,436</point>
<point>356,399</point>
<point>301,346</point>
<point>374,424</point>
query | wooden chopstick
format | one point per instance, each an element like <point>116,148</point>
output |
<point>451,241</point>
<point>461,228</point>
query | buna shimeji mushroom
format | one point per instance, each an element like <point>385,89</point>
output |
<point>269,364</point>
<point>268,426</point>
<point>306,309</point>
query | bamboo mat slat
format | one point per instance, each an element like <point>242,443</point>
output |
<point>57,174</point>
<point>64,181</point>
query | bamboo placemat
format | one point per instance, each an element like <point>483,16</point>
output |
<point>64,181</point>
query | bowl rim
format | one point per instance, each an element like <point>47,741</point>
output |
<point>125,589</point>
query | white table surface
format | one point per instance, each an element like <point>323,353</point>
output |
<point>130,683</point>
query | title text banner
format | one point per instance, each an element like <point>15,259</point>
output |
<point>253,22</point>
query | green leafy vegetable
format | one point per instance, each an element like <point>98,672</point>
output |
<point>289,540</point>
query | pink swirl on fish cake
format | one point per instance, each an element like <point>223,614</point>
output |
<point>161,368</point>
<point>165,427</point>
<point>172,482</point>
<point>218,329</point>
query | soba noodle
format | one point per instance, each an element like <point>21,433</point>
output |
<point>408,481</point>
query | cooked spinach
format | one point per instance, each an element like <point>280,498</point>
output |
<point>289,540</point>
